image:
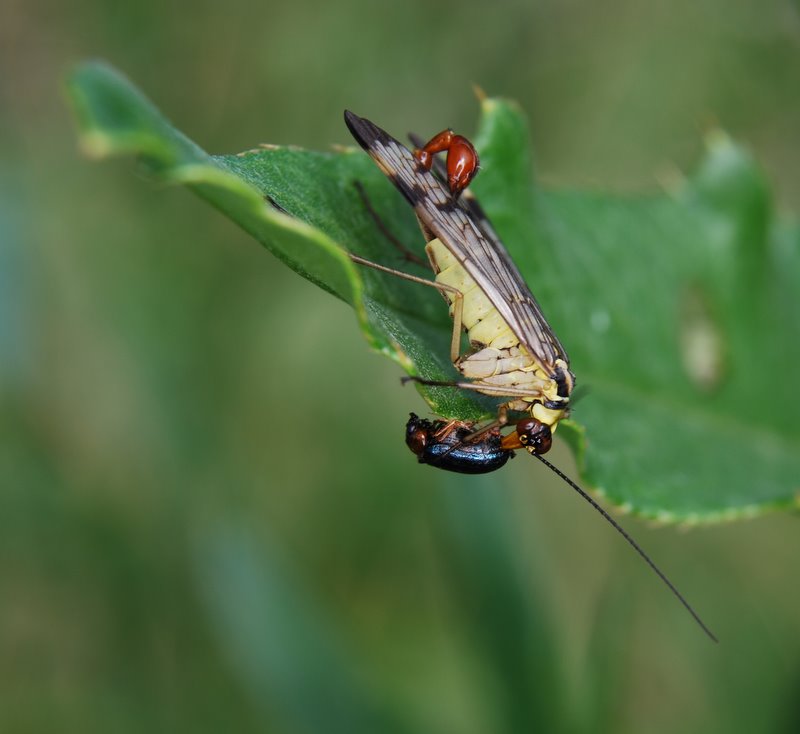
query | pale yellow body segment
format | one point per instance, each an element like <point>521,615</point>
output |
<point>499,365</point>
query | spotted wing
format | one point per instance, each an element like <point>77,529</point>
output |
<point>465,230</point>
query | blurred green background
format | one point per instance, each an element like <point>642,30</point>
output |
<point>208,518</point>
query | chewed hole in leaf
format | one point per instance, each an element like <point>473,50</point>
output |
<point>702,343</point>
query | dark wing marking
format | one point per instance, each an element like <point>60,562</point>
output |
<point>464,229</point>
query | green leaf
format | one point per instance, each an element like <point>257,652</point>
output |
<point>679,310</point>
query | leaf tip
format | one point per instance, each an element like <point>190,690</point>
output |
<point>95,144</point>
<point>717,139</point>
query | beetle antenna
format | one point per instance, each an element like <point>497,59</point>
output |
<point>632,542</point>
